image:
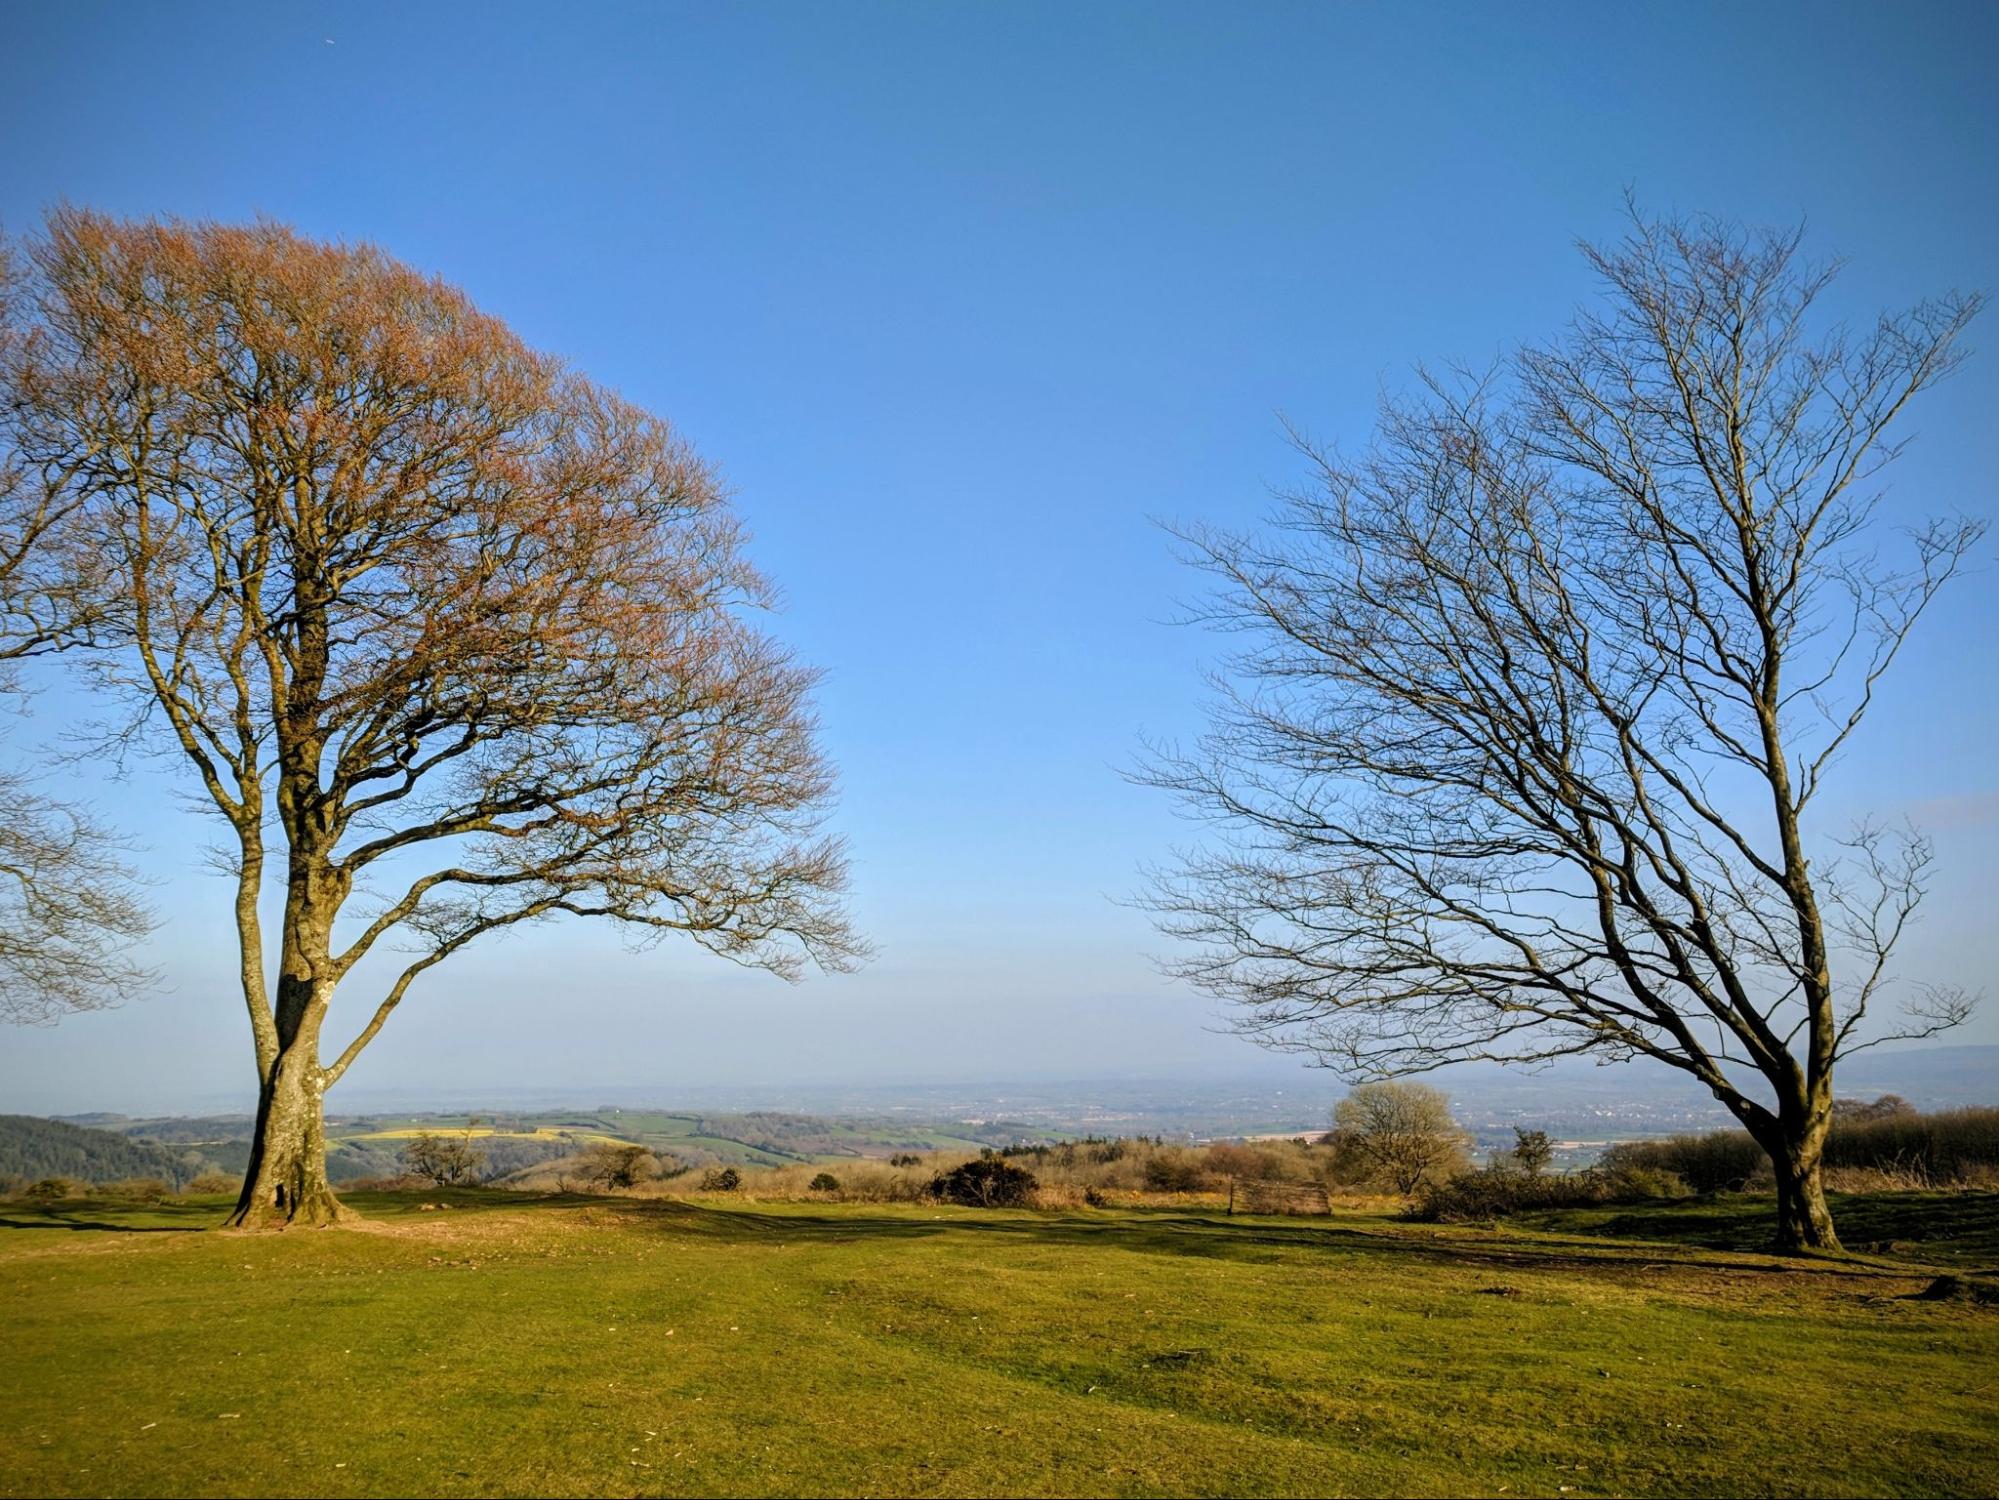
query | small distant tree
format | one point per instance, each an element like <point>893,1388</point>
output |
<point>213,1182</point>
<point>727,1180</point>
<point>825,1182</point>
<point>443,1159</point>
<point>1399,1133</point>
<point>616,1165</point>
<point>1859,1111</point>
<point>1532,1150</point>
<point>50,1190</point>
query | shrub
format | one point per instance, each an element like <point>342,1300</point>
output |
<point>612,1164</point>
<point>1175,1174</point>
<point>725,1181</point>
<point>1886,1137</point>
<point>139,1190</point>
<point>1636,1184</point>
<point>1264,1197</point>
<point>825,1182</point>
<point>1531,1150</point>
<point>1720,1162</point>
<point>214,1182</point>
<point>50,1190</point>
<point>1244,1162</point>
<point>1494,1192</point>
<point>1861,1110</point>
<point>988,1182</point>
<point>1951,1145</point>
<point>905,1159</point>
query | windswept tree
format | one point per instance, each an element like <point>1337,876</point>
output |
<point>444,1160</point>
<point>450,638</point>
<point>1524,750</point>
<point>68,912</point>
<point>615,1165</point>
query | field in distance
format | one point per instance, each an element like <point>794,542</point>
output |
<point>360,1147</point>
<point>478,1342</point>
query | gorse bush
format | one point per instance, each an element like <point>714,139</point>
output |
<point>985,1182</point>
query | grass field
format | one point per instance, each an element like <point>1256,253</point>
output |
<point>502,1346</point>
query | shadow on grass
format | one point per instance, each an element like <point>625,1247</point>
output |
<point>194,1219</point>
<point>1920,1227</point>
<point>1216,1237</point>
<point>1917,1230</point>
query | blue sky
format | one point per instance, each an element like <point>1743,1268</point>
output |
<point>962,298</point>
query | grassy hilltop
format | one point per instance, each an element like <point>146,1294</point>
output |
<point>495,1345</point>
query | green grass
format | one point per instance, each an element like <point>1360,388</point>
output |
<point>503,1346</point>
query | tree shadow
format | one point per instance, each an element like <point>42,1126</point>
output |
<point>1224,1238</point>
<point>56,1219</point>
<point>1914,1226</point>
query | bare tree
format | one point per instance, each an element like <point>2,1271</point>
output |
<point>451,638</point>
<point>613,1165</point>
<point>443,1159</point>
<point>1402,1134</point>
<point>1532,1150</point>
<point>1522,755</point>
<point>68,913</point>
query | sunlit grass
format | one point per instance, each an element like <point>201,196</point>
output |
<point>623,1347</point>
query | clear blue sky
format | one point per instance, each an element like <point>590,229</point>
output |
<point>960,296</point>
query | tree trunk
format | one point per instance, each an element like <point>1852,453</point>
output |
<point>1804,1223</point>
<point>1794,1137</point>
<point>286,1181</point>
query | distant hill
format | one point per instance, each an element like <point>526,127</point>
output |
<point>33,1148</point>
<point>1929,1077</point>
